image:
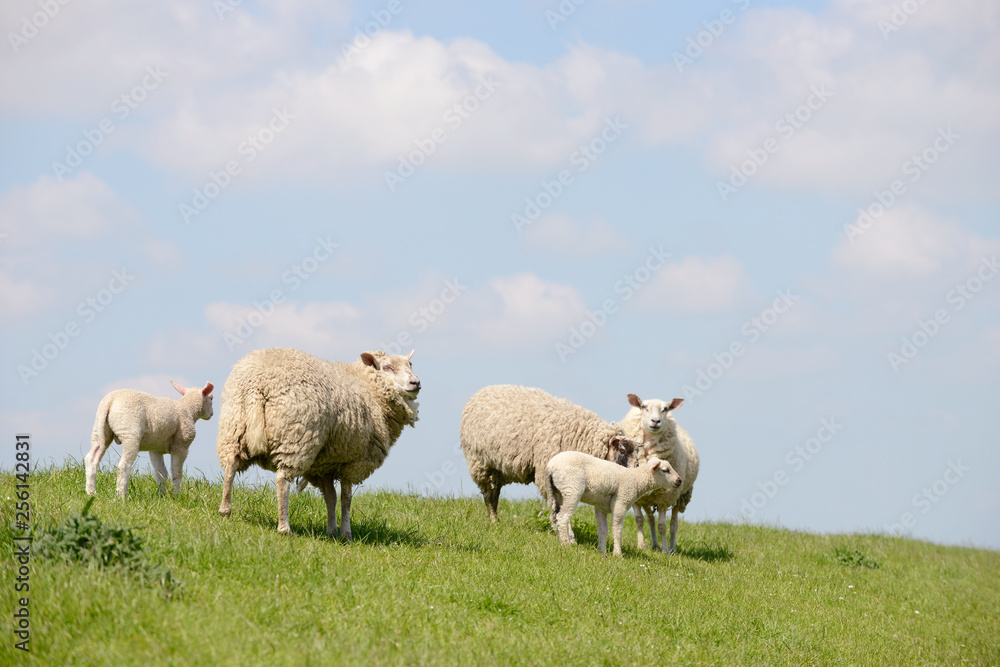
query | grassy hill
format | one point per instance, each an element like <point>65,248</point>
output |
<point>429,581</point>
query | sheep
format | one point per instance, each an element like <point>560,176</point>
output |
<point>651,423</point>
<point>300,416</point>
<point>612,489</point>
<point>508,434</point>
<point>140,422</point>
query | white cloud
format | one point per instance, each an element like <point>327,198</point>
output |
<point>524,310</point>
<point>21,297</point>
<point>696,285</point>
<point>562,234</point>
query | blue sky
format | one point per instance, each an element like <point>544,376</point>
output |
<point>784,212</point>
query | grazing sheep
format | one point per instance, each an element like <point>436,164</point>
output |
<point>509,433</point>
<point>573,477</point>
<point>298,415</point>
<point>143,423</point>
<point>651,423</point>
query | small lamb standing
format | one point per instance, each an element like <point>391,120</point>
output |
<point>509,433</point>
<point>300,416</point>
<point>651,423</point>
<point>612,489</point>
<point>143,423</point>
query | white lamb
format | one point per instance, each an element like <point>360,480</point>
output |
<point>325,421</point>
<point>612,489</point>
<point>651,423</point>
<point>140,422</point>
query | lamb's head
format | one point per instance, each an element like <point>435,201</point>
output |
<point>663,473</point>
<point>655,417</point>
<point>198,398</point>
<point>623,451</point>
<point>397,369</point>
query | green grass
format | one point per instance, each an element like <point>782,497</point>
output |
<point>429,581</point>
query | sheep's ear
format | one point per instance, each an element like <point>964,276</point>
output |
<point>653,463</point>
<point>369,359</point>
<point>179,388</point>
<point>410,355</point>
<point>674,404</point>
<point>208,389</point>
<point>635,400</point>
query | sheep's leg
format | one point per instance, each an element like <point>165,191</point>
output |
<point>156,458</point>
<point>330,496</point>
<point>673,531</point>
<point>564,529</point>
<point>617,522</point>
<point>177,458</point>
<point>227,489</point>
<point>345,511</point>
<point>602,530</point>
<point>491,495</point>
<point>655,546</point>
<point>662,527</point>
<point>281,482</point>
<point>93,459</point>
<point>640,526</point>
<point>130,452</point>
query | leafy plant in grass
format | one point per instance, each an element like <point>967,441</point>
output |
<point>854,558</point>
<point>84,538</point>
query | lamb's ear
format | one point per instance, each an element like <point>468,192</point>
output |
<point>635,401</point>
<point>179,388</point>
<point>410,355</point>
<point>674,404</point>
<point>369,359</point>
<point>208,389</point>
<point>653,463</point>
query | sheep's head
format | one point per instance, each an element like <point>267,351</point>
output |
<point>623,451</point>
<point>200,397</point>
<point>660,467</point>
<point>397,369</point>
<point>655,413</point>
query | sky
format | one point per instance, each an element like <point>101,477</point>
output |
<point>785,213</point>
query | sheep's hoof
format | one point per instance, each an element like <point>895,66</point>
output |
<point>285,530</point>
<point>225,511</point>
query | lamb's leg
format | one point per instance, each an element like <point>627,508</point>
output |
<point>130,451</point>
<point>93,458</point>
<point>177,457</point>
<point>602,530</point>
<point>156,458</point>
<point>564,529</point>
<point>227,489</point>
<point>330,496</point>
<point>617,522</point>
<point>673,531</point>
<point>662,527</point>
<point>345,511</point>
<point>640,523</point>
<point>655,546</point>
<point>281,482</point>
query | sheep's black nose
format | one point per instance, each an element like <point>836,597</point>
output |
<point>678,482</point>
<point>415,384</point>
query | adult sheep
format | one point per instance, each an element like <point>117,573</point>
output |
<point>298,415</point>
<point>651,423</point>
<point>509,433</point>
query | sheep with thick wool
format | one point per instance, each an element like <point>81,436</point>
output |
<point>651,423</point>
<point>140,422</point>
<point>509,433</point>
<point>612,489</point>
<point>326,421</point>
